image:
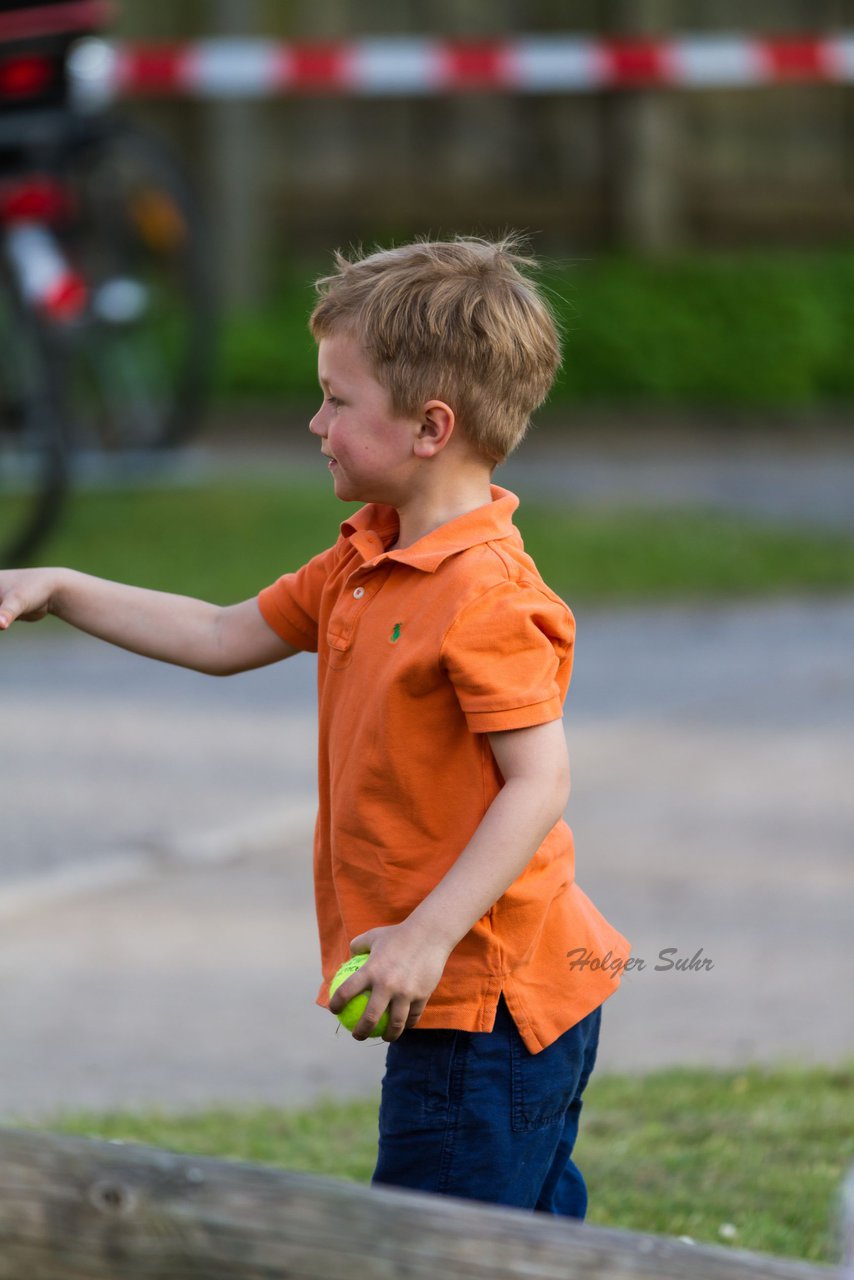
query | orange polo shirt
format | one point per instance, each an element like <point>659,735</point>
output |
<point>421,653</point>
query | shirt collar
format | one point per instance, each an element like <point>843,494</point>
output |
<point>371,527</point>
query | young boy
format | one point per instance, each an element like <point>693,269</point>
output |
<point>443,662</point>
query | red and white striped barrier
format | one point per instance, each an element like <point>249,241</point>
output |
<point>409,66</point>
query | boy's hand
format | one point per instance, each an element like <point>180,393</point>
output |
<point>403,972</point>
<point>158,624</point>
<point>25,594</point>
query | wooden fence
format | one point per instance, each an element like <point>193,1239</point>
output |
<point>78,1209</point>
<point>651,170</point>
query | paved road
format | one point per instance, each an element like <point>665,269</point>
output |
<point>783,477</point>
<point>115,754</point>
<point>158,941</point>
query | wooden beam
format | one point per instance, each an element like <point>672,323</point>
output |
<point>643,143</point>
<point>81,1209</point>
<point>236,204</point>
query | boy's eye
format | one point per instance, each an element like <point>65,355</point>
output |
<point>332,400</point>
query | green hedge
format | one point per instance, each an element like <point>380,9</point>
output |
<point>748,330</point>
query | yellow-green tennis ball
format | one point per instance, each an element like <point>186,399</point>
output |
<point>353,1010</point>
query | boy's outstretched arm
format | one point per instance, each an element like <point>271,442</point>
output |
<point>407,960</point>
<point>178,629</point>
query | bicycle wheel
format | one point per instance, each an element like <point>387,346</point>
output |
<point>32,454</point>
<point>140,363</point>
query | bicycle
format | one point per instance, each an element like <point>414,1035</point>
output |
<point>106,312</point>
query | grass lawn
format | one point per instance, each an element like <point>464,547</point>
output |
<point>753,1159</point>
<point>223,542</point>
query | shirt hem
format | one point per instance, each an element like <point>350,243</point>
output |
<point>526,717</point>
<point>481,1017</point>
<point>282,625</point>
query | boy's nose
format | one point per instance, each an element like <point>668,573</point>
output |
<point>316,425</point>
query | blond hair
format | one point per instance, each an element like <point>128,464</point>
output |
<point>455,320</point>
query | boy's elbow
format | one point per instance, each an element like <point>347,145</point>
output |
<point>228,661</point>
<point>210,665</point>
<point>556,783</point>
<point>222,658</point>
<point>561,787</point>
<point>549,791</point>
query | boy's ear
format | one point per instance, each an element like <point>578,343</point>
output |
<point>437,427</point>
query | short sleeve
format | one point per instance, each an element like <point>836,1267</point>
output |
<point>291,605</point>
<point>508,655</point>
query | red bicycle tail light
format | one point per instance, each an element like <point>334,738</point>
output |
<point>36,198</point>
<point>25,76</point>
<point>67,299</point>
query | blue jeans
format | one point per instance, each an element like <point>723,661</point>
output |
<point>475,1114</point>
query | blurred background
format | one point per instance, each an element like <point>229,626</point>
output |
<point>689,192</point>
<point>653,172</point>
<point>642,199</point>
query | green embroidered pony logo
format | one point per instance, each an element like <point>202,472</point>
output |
<point>395,635</point>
